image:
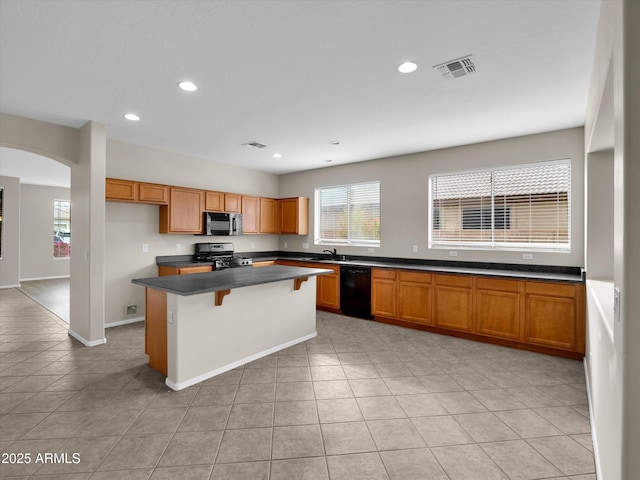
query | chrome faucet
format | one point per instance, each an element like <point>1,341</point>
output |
<point>333,253</point>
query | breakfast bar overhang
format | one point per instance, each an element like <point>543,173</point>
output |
<point>216,321</point>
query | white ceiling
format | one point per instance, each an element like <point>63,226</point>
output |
<point>296,75</point>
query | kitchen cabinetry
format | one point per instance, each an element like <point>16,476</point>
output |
<point>164,271</point>
<point>383,293</point>
<point>541,316</point>
<point>263,263</point>
<point>294,216</point>
<point>269,215</point>
<point>327,286</point>
<point>554,315</point>
<point>498,308</point>
<point>453,302</point>
<point>136,192</point>
<point>414,297</point>
<point>153,193</point>
<point>250,214</point>
<point>232,203</point>
<point>214,201</point>
<point>121,190</point>
<point>184,212</point>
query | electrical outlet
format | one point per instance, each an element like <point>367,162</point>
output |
<point>253,245</point>
<point>285,245</point>
<point>370,250</point>
<point>131,309</point>
<point>178,247</point>
<point>145,248</point>
<point>305,246</point>
<point>415,249</point>
<point>527,256</point>
<point>453,254</point>
<point>170,317</point>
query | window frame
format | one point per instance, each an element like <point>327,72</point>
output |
<point>347,242</point>
<point>495,245</point>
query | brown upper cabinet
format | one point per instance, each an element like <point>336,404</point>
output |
<point>121,190</point>
<point>294,216</point>
<point>184,212</point>
<point>214,201</point>
<point>250,214</point>
<point>221,202</point>
<point>153,193</point>
<point>117,190</point>
<point>269,215</point>
<point>179,206</point>
<point>232,203</point>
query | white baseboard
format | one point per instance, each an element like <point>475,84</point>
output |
<point>86,342</point>
<point>594,435</point>
<point>43,278</point>
<point>236,364</point>
<point>9,286</point>
<point>124,322</point>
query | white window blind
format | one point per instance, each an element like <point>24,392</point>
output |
<point>524,207</point>
<point>348,214</point>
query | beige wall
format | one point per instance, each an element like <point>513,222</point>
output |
<point>128,226</point>
<point>36,230</point>
<point>10,258</point>
<point>404,194</point>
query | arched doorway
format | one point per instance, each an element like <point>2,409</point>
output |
<point>43,209</point>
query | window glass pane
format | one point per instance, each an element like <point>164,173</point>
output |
<point>348,214</point>
<point>61,228</point>
<point>524,207</point>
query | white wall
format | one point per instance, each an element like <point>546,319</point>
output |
<point>36,230</point>
<point>128,226</point>
<point>404,194</point>
<point>10,258</point>
<point>613,357</point>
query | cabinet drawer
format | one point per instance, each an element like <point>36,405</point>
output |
<point>416,277</point>
<point>551,289</point>
<point>497,284</point>
<point>386,274</point>
<point>454,280</point>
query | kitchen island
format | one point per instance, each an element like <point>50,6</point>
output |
<point>201,325</point>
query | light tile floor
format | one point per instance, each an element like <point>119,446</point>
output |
<point>363,400</point>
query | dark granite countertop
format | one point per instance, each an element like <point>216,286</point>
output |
<point>516,271</point>
<point>226,279</point>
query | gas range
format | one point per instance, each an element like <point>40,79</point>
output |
<point>221,255</point>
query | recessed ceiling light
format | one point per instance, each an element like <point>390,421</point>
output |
<point>407,67</point>
<point>277,155</point>
<point>132,116</point>
<point>328,160</point>
<point>335,142</point>
<point>188,86</point>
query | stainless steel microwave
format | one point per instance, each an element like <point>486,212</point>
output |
<point>222,223</point>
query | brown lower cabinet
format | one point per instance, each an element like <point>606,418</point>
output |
<point>327,286</point>
<point>542,316</point>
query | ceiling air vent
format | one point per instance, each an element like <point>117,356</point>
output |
<point>459,67</point>
<point>254,145</point>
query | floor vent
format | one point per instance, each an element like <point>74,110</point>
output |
<point>459,67</point>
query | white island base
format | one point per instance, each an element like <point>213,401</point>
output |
<point>205,340</point>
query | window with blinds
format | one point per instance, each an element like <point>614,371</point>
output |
<point>348,214</point>
<point>525,207</point>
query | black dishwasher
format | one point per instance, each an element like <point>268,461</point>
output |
<point>355,291</point>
